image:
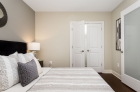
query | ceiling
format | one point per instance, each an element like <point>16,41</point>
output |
<point>73,5</point>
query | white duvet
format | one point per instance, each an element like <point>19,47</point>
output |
<point>66,80</point>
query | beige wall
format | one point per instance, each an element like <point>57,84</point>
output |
<point>115,15</point>
<point>21,22</point>
<point>53,32</point>
<point>1,14</point>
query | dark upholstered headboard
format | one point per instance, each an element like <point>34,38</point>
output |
<point>9,47</point>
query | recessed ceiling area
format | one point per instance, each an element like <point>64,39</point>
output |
<point>73,5</point>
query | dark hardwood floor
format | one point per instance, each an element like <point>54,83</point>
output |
<point>115,83</point>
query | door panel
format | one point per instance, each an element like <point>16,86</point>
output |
<point>78,59</point>
<point>131,46</point>
<point>78,44</point>
<point>94,55</point>
<point>93,37</point>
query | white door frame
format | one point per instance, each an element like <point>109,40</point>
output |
<point>132,83</point>
<point>71,41</point>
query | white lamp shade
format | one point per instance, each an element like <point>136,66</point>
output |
<point>34,46</point>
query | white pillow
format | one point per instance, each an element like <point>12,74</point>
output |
<point>24,58</point>
<point>14,55</point>
<point>8,72</point>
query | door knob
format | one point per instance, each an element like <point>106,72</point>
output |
<point>87,50</point>
<point>121,51</point>
<point>82,51</point>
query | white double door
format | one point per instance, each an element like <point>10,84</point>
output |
<point>87,45</point>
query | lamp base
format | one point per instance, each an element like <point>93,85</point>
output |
<point>34,52</point>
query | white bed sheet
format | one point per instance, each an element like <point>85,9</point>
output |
<point>71,80</point>
<point>19,88</point>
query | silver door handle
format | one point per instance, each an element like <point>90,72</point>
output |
<point>82,51</point>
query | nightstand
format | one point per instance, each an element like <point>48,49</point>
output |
<point>41,62</point>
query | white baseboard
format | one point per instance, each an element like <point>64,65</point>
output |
<point>113,72</point>
<point>116,74</point>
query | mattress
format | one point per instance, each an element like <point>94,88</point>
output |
<point>71,80</point>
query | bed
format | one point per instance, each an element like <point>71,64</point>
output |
<point>57,79</point>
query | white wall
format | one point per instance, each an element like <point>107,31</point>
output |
<point>53,32</point>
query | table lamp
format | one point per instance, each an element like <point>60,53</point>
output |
<point>34,46</point>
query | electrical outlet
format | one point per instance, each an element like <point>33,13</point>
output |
<point>118,64</point>
<point>50,64</point>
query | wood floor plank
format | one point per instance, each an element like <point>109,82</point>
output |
<point>115,83</point>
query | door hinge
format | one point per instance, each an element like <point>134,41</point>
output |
<point>72,64</point>
<point>101,29</point>
<point>101,64</point>
<point>72,46</point>
<point>101,46</point>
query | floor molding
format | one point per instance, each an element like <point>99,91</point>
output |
<point>113,72</point>
<point>116,74</point>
